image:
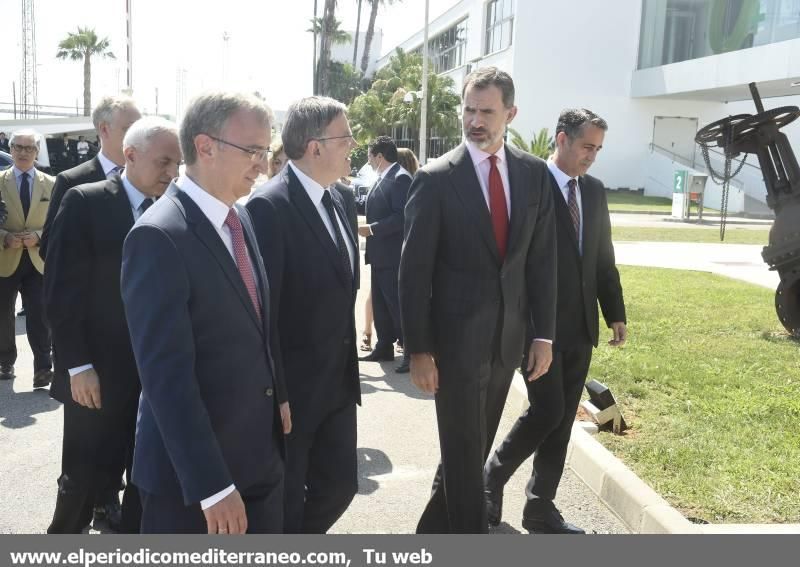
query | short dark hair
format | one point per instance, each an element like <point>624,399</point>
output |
<point>386,146</point>
<point>487,76</point>
<point>572,121</point>
<point>307,119</point>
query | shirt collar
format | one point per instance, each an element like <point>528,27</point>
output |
<point>213,208</point>
<point>478,155</point>
<point>561,178</point>
<point>135,197</point>
<point>106,163</point>
<point>18,172</point>
<point>315,190</point>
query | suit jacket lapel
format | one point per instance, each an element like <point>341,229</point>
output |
<point>468,189</point>
<point>37,193</point>
<point>518,201</point>
<point>301,200</point>
<point>562,213</point>
<point>255,254</point>
<point>121,215</point>
<point>208,235</point>
<point>12,193</point>
<point>588,206</point>
<point>347,233</point>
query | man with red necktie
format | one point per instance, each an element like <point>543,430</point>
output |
<point>478,266</point>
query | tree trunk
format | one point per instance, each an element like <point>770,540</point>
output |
<point>326,38</point>
<point>358,29</point>
<point>87,85</point>
<point>370,32</point>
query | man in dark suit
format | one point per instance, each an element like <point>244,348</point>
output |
<point>111,119</point>
<point>209,437</point>
<point>587,274</point>
<point>312,261</point>
<point>383,230</point>
<point>98,382</point>
<point>478,266</point>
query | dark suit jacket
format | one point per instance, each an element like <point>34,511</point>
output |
<point>312,298</point>
<point>208,415</point>
<point>82,297</point>
<point>456,296</point>
<point>87,172</point>
<point>384,210</point>
<point>349,202</point>
<point>585,279</point>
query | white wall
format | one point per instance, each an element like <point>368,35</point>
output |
<point>344,52</point>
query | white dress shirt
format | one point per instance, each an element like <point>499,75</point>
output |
<point>562,179</point>
<point>480,160</point>
<point>107,165</point>
<point>315,192</point>
<point>135,198</point>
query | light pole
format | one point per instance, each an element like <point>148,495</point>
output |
<point>423,115</point>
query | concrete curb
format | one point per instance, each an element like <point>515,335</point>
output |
<point>632,500</point>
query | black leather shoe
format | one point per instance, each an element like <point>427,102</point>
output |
<point>7,372</point>
<point>42,378</point>
<point>110,512</point>
<point>378,356</point>
<point>542,517</point>
<point>494,505</point>
<point>404,366</point>
<point>21,313</point>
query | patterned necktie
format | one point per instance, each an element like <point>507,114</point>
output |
<point>242,259</point>
<point>344,255</point>
<point>498,207</point>
<point>115,171</point>
<point>145,204</point>
<point>25,193</point>
<point>574,211</point>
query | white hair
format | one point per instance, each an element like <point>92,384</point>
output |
<point>104,111</point>
<point>145,129</point>
<point>25,134</point>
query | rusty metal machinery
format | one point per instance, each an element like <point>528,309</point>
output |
<point>760,134</point>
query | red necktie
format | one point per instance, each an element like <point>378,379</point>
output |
<point>242,259</point>
<point>498,207</point>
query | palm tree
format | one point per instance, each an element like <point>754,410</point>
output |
<point>358,29</point>
<point>83,45</point>
<point>338,36</point>
<point>542,145</point>
<point>373,14</point>
<point>325,41</point>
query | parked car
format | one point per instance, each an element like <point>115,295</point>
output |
<point>5,161</point>
<point>361,183</point>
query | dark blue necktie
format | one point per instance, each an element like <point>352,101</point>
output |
<point>25,194</point>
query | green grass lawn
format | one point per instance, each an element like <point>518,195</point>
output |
<point>710,384</point>
<point>619,201</point>
<point>657,234</point>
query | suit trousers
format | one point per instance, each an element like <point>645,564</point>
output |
<point>545,427</point>
<point>27,280</point>
<point>263,503</point>
<point>93,440</point>
<point>386,307</point>
<point>321,473</point>
<point>469,405</point>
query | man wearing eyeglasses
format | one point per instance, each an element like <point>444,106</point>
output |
<point>312,261</point>
<point>209,439</point>
<point>26,193</point>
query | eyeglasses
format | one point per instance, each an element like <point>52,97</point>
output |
<point>24,149</point>
<point>335,138</point>
<point>255,155</point>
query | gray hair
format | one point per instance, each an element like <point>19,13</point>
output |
<point>209,113</point>
<point>307,119</point>
<point>27,132</point>
<point>484,77</point>
<point>104,111</point>
<point>145,129</point>
<point>572,121</point>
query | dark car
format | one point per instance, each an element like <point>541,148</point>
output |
<point>5,161</point>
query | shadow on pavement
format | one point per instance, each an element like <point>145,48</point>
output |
<point>17,410</point>
<point>400,383</point>
<point>371,462</point>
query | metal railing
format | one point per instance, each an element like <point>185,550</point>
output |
<point>34,111</point>
<point>698,163</point>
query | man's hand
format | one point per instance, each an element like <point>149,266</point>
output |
<point>540,357</point>
<point>620,334</point>
<point>227,516</point>
<point>86,388</point>
<point>424,373</point>
<point>364,230</point>
<point>30,239</point>
<point>12,240</point>
<point>286,418</point>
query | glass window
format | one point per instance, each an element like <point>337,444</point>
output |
<point>499,25</point>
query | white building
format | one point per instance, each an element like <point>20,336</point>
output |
<point>343,53</point>
<point>656,70</point>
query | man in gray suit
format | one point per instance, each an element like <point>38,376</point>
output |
<point>478,265</point>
